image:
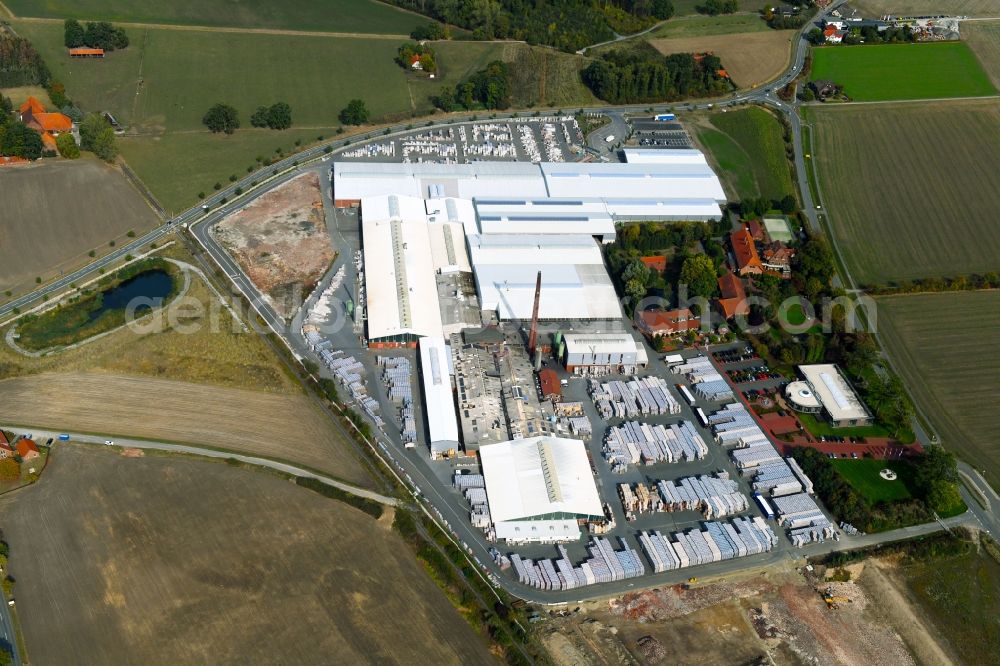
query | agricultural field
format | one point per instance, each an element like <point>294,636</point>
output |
<point>55,212</point>
<point>885,72</point>
<point>927,7</point>
<point>750,58</point>
<point>347,16</point>
<point>700,25</point>
<point>909,189</point>
<point>749,149</point>
<point>863,475</point>
<point>946,349</point>
<point>984,39</point>
<point>690,7</point>
<point>280,241</point>
<point>161,559</point>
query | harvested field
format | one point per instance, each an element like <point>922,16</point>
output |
<point>927,7</point>
<point>55,212</point>
<point>984,39</point>
<point>703,25</point>
<point>751,58</point>
<point>286,427</point>
<point>910,188</point>
<point>882,72</point>
<point>159,560</point>
<point>778,618</point>
<point>280,241</point>
<point>952,371</point>
<point>19,96</point>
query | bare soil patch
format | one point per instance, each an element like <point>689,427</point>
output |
<point>166,560</point>
<point>280,426</point>
<point>751,58</point>
<point>280,241</point>
<point>56,211</point>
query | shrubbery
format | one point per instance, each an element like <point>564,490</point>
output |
<point>642,74</point>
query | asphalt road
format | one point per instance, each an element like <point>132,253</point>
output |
<point>7,628</point>
<point>41,435</point>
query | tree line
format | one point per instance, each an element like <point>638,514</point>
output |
<point>225,118</point>
<point>568,25</point>
<point>96,35</point>
<point>973,282</point>
<point>489,88</point>
<point>641,74</point>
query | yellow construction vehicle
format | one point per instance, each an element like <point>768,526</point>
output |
<point>833,602</point>
<point>692,580</point>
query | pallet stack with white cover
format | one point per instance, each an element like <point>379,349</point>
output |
<point>642,443</point>
<point>718,541</point>
<point>642,396</point>
<point>605,565</point>
<point>715,496</point>
<point>705,379</point>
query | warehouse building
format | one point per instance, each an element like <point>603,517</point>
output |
<point>539,489</point>
<point>824,389</point>
<point>439,402</point>
<point>603,353</point>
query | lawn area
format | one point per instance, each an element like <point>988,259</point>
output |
<point>364,16</point>
<point>732,163</point>
<point>820,428</point>
<point>690,7</point>
<point>863,475</point>
<point>952,371</point>
<point>910,189</point>
<point>701,25</point>
<point>903,71</point>
<point>760,136</point>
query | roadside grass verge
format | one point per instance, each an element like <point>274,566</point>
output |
<point>874,73</point>
<point>761,136</point>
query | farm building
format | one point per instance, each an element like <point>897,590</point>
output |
<point>439,401</point>
<point>824,389</point>
<point>603,353</point>
<point>86,52</point>
<point>49,125</point>
<point>539,488</point>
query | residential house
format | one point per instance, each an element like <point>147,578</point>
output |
<point>833,35</point>
<point>733,300</point>
<point>745,252</point>
<point>823,88</point>
<point>777,257</point>
<point>50,125</point>
<point>656,323</point>
<point>657,263</point>
<point>415,62</point>
<point>27,449</point>
<point>757,231</point>
<point>5,448</point>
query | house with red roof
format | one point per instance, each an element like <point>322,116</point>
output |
<point>656,263</point>
<point>777,258</point>
<point>655,323</point>
<point>833,35</point>
<point>27,449</point>
<point>5,448</point>
<point>745,252</point>
<point>49,124</point>
<point>549,382</point>
<point>733,300</point>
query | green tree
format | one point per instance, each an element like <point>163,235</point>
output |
<point>355,113</point>
<point>67,146</point>
<point>17,140</point>
<point>259,117</point>
<point>698,273</point>
<point>222,118</point>
<point>634,280</point>
<point>279,116</point>
<point>933,465</point>
<point>73,33</point>
<point>942,496</point>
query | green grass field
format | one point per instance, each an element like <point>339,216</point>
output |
<point>910,189</point>
<point>690,7</point>
<point>734,164</point>
<point>364,16</point>
<point>758,135</point>
<point>863,475</point>
<point>903,71</point>
<point>700,25</point>
<point>983,37</point>
<point>946,348</point>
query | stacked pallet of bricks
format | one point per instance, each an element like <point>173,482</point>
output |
<point>733,425</point>
<point>714,496</point>
<point>396,377</point>
<point>323,306</point>
<point>706,381</point>
<point>473,488</point>
<point>605,565</point>
<point>718,541</point>
<point>642,396</point>
<point>803,518</point>
<point>638,498</point>
<point>775,479</point>
<point>642,443</point>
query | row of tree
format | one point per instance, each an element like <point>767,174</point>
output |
<point>565,24</point>
<point>990,280</point>
<point>225,118</point>
<point>20,63</point>
<point>642,74</point>
<point>96,35</point>
<point>489,88</point>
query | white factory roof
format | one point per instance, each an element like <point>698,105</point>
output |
<point>545,216</point>
<point>399,274</point>
<point>664,156</point>
<point>838,398</point>
<point>439,404</point>
<point>664,209</point>
<point>626,181</point>
<point>575,283</point>
<point>539,477</point>
<point>356,180</point>
<point>600,343</point>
